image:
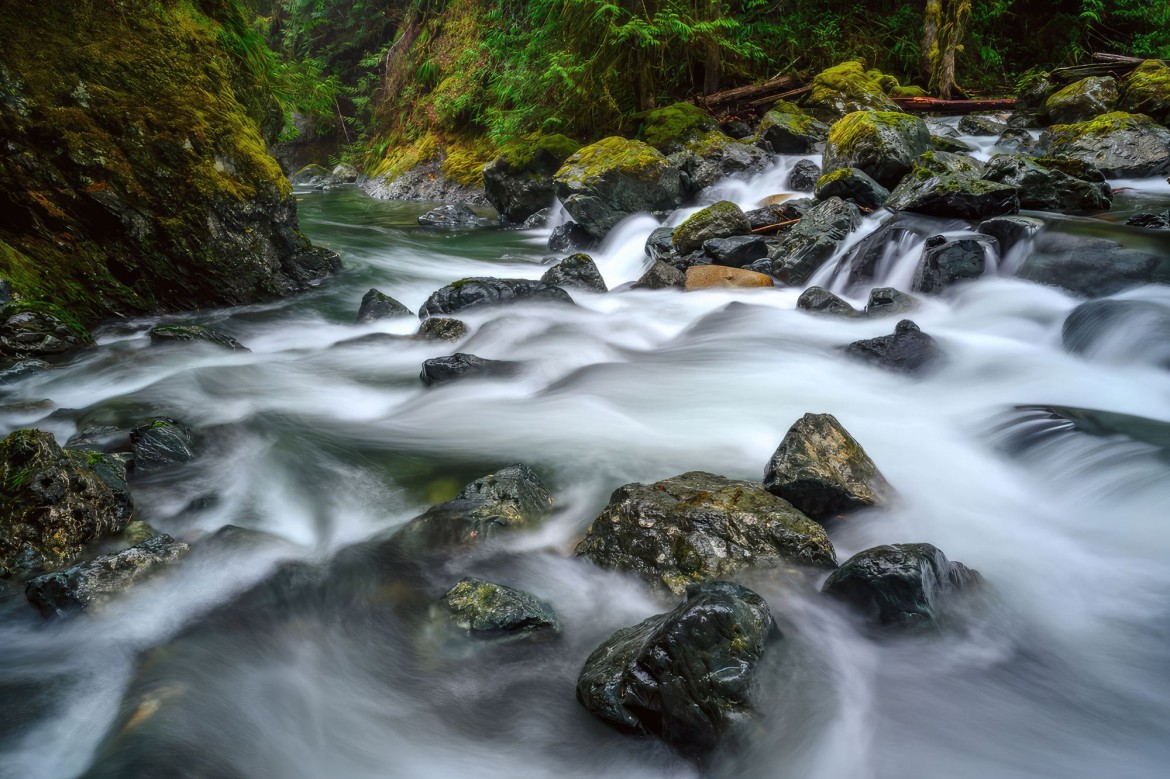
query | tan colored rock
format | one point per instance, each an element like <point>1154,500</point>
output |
<point>714,276</point>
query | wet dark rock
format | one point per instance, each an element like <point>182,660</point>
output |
<point>908,350</point>
<point>937,186</point>
<point>863,260</point>
<point>982,124</point>
<point>887,301</point>
<point>804,176</point>
<point>438,328</point>
<point>1083,100</point>
<point>821,470</point>
<point>488,291</point>
<point>720,220</point>
<point>1119,331</point>
<point>1150,221</point>
<point>736,129</point>
<point>790,132</point>
<point>570,235</point>
<point>376,305</point>
<point>512,498</point>
<point>852,184</point>
<point>882,144</point>
<point>1120,145</point>
<point>686,676</point>
<point>811,242</point>
<point>737,250</point>
<point>660,276</point>
<point>821,301</point>
<point>161,443</point>
<point>441,370</point>
<point>38,330</point>
<point>902,585</point>
<point>713,157</point>
<point>1010,231</point>
<point>1016,141</point>
<point>488,610</point>
<point>698,527</point>
<point>1051,184</point>
<point>576,270</point>
<point>537,220</point>
<point>519,183</point>
<point>452,216</point>
<point>1092,267</point>
<point>660,244</point>
<point>22,369</point>
<point>949,144</point>
<point>948,260</point>
<point>90,584</point>
<point>53,504</point>
<point>164,334</point>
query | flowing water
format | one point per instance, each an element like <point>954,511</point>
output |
<point>324,438</point>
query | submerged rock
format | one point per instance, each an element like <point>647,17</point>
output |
<point>452,216</point>
<point>1120,145</point>
<point>821,470</point>
<point>819,300</point>
<point>488,291</point>
<point>576,270</point>
<point>441,370</point>
<point>884,145</point>
<point>660,276</point>
<point>685,676</point>
<point>90,584</point>
<point>188,333</point>
<point>161,443</point>
<point>488,610</point>
<point>376,305</point>
<point>52,504</point>
<point>700,526</point>
<point>902,585</point>
<point>948,260</point>
<point>720,276</point>
<point>39,330</point>
<point>908,350</point>
<point>1150,221</point>
<point>1119,331</point>
<point>1092,267</point>
<point>721,220</point>
<point>519,182</point>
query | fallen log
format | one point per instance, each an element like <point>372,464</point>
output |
<point>776,227</point>
<point>935,105</point>
<point>743,94</point>
<point>768,101</point>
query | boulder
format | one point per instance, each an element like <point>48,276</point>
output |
<point>736,251</point>
<point>660,243</point>
<point>939,186</point>
<point>947,260</point>
<point>89,585</point>
<point>1051,184</point>
<point>949,144</point>
<point>698,527</point>
<point>441,370</point>
<point>852,184</point>
<point>908,350</point>
<point>884,145</point>
<point>1121,145</point>
<point>672,127</point>
<point>811,242</point>
<point>790,132</point>
<point>376,305</point>
<point>1147,91</point>
<point>686,676</point>
<point>1092,267</point>
<point>578,271</point>
<point>1082,100</point>
<point>804,176</point>
<point>1150,221</point>
<point>570,235</point>
<point>709,159</point>
<point>512,498</point>
<point>22,369</point>
<point>660,276</point>
<point>52,504</point>
<point>1016,141</point>
<point>452,216</point>
<point>163,334</point>
<point>537,220</point>
<point>821,470</point>
<point>1119,331</point>
<point>982,124</point>
<point>720,276</point>
<point>489,291</point>
<point>438,328</point>
<point>607,181</point>
<point>720,220</point>
<point>344,173</point>
<point>843,89</point>
<point>1010,231</point>
<point>519,182</point>
<point>39,330</point>
<point>819,300</point>
<point>161,443</point>
<point>902,585</point>
<point>312,176</point>
<point>887,301</point>
<point>493,611</point>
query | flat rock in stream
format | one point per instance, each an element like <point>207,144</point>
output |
<point>700,526</point>
<point>489,291</point>
<point>907,350</point>
<point>493,611</point>
<point>1092,267</point>
<point>686,676</point>
<point>191,333</point>
<point>441,370</point>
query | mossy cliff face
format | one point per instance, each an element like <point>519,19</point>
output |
<point>135,176</point>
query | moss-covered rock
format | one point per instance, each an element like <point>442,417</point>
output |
<point>1119,144</point>
<point>852,184</point>
<point>713,156</point>
<point>908,91</point>
<point>135,166</point>
<point>843,89</point>
<point>519,182</point>
<point>1147,91</point>
<point>1082,100</point>
<point>948,185</point>
<point>164,334</point>
<point>35,329</point>
<point>882,144</point>
<point>609,180</point>
<point>790,132</point>
<point>720,220</point>
<point>669,129</point>
<point>492,611</point>
<point>1051,184</point>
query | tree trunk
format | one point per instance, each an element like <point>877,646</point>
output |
<point>928,52</point>
<point>950,42</point>
<point>713,64</point>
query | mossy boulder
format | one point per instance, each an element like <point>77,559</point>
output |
<point>1119,144</point>
<point>882,144</point>
<point>519,182</point>
<point>1147,91</point>
<point>489,291</point>
<point>843,89</point>
<point>376,305</point>
<point>908,91</point>
<point>789,132</point>
<point>820,469</point>
<point>39,330</point>
<point>672,127</point>
<point>852,184</point>
<point>164,334</point>
<point>698,527</point>
<point>943,186</point>
<point>576,270</point>
<point>53,503</point>
<point>136,169</point>
<point>687,676</point>
<point>492,611</point>
<point>609,180</point>
<point>714,156</point>
<point>721,220</point>
<point>1051,184</point>
<point>1082,100</point>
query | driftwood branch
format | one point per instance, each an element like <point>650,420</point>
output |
<point>777,226</point>
<point>739,95</point>
<point>768,101</point>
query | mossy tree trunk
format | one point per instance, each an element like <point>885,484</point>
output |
<point>928,52</point>
<point>954,20</point>
<point>713,63</point>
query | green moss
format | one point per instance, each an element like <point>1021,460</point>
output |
<point>838,175</point>
<point>1147,90</point>
<point>1098,127</point>
<point>674,125</point>
<point>50,309</point>
<point>841,78</point>
<point>521,153</point>
<point>908,91</point>
<point>614,153</point>
<point>786,107</point>
<point>861,126</point>
<point>800,124</point>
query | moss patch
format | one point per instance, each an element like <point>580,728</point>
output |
<point>674,125</point>
<point>622,155</point>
